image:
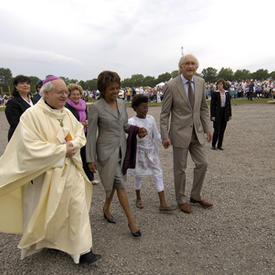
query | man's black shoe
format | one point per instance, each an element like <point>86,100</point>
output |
<point>89,258</point>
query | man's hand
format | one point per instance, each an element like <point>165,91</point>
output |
<point>213,118</point>
<point>142,132</point>
<point>92,166</point>
<point>70,150</point>
<point>209,137</point>
<point>166,143</point>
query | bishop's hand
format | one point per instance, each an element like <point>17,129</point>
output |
<point>70,150</point>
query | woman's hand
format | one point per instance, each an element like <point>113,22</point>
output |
<point>209,137</point>
<point>92,166</point>
<point>142,132</point>
<point>213,118</point>
<point>84,123</point>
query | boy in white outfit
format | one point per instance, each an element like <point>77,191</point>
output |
<point>147,159</point>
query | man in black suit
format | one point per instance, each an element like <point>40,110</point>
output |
<point>220,113</point>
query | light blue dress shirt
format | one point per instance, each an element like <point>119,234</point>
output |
<point>186,84</point>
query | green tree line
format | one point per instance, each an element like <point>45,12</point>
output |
<point>209,74</point>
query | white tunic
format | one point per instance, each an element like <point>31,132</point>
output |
<point>147,159</point>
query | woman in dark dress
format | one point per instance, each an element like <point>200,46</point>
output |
<point>19,103</point>
<point>220,113</point>
<point>78,107</point>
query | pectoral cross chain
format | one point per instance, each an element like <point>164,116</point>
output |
<point>60,122</point>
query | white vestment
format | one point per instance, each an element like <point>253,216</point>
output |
<point>45,195</point>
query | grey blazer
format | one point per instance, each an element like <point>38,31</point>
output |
<point>177,106</point>
<point>106,131</point>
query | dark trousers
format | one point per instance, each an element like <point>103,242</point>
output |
<point>87,171</point>
<point>250,95</point>
<point>219,128</point>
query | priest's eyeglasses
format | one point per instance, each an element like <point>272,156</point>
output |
<point>62,92</point>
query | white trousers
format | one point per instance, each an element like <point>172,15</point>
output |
<point>158,179</point>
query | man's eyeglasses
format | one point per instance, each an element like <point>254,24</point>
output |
<point>189,64</point>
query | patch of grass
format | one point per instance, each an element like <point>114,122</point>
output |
<point>237,101</point>
<point>240,101</point>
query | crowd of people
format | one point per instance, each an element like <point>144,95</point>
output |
<point>3,99</point>
<point>237,89</point>
<point>246,88</point>
<point>252,89</point>
<point>56,145</point>
<point>153,94</point>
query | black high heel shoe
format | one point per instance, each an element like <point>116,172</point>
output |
<point>110,220</point>
<point>135,234</point>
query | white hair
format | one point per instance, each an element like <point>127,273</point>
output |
<point>182,59</point>
<point>46,87</point>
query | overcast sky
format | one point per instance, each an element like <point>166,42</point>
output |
<point>80,38</point>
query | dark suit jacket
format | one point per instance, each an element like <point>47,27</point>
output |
<point>15,107</point>
<point>36,97</point>
<point>215,106</point>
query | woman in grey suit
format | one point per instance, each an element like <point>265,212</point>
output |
<point>106,143</point>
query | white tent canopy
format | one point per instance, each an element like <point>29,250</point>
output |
<point>161,84</point>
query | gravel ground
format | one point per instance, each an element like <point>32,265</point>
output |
<point>236,236</point>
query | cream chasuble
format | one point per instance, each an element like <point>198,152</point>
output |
<point>53,210</point>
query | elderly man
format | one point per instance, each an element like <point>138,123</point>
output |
<point>44,192</point>
<point>185,101</point>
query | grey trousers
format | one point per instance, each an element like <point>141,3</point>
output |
<point>180,162</point>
